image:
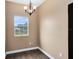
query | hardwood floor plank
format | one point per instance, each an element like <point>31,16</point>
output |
<point>34,54</point>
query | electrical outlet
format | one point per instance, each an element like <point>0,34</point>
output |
<point>60,54</point>
<point>30,43</point>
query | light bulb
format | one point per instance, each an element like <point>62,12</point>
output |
<point>34,7</point>
<point>25,7</point>
<point>30,11</point>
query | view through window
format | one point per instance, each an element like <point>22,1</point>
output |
<point>21,26</point>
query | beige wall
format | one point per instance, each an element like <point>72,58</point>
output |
<point>53,16</point>
<point>53,28</point>
<point>14,43</point>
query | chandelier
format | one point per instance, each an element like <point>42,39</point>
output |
<point>30,9</point>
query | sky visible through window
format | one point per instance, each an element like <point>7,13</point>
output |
<point>20,20</point>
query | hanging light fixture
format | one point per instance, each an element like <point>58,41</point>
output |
<point>29,8</point>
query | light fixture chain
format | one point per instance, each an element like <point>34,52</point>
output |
<point>29,8</point>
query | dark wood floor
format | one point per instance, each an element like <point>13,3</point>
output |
<point>34,54</point>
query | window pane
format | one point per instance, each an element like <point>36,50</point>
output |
<point>21,26</point>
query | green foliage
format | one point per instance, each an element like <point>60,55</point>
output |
<point>22,29</point>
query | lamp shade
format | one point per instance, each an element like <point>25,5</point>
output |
<point>25,7</point>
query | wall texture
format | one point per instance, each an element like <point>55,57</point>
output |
<point>53,16</point>
<point>14,43</point>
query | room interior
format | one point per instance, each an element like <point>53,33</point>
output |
<point>48,28</point>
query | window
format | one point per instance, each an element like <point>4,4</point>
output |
<point>21,26</point>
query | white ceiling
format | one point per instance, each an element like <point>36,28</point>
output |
<point>34,2</point>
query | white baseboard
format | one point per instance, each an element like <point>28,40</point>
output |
<point>46,53</point>
<point>28,49</point>
<point>21,50</point>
